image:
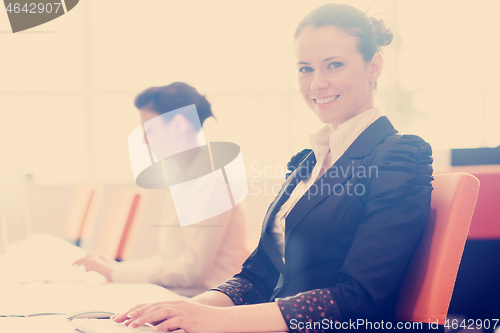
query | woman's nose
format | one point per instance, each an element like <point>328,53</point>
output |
<point>319,82</point>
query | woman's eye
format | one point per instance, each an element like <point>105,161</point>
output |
<point>335,64</point>
<point>305,69</point>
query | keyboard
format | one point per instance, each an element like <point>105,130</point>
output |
<point>109,326</point>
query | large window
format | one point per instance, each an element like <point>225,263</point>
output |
<point>449,70</point>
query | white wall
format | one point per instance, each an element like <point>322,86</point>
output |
<point>67,86</point>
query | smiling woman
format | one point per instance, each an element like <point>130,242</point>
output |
<point>339,63</point>
<point>334,80</point>
<point>326,260</point>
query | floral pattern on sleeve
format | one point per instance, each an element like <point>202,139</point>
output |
<point>240,290</point>
<point>310,306</point>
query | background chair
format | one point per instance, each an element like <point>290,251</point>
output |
<point>120,227</point>
<point>428,285</point>
<point>82,213</point>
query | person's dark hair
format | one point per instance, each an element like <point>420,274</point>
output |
<point>371,33</point>
<point>171,97</point>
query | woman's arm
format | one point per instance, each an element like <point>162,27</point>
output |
<point>97,264</point>
<point>218,238</point>
<point>255,318</point>
<point>206,309</point>
<point>213,298</point>
<point>194,317</point>
<point>208,298</point>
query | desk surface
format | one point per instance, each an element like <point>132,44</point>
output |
<point>47,324</point>
<point>26,288</point>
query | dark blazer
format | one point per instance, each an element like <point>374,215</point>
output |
<point>352,232</point>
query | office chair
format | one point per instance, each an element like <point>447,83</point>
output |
<point>119,227</point>
<point>428,285</point>
<point>82,212</point>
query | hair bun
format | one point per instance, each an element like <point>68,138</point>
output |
<point>383,36</point>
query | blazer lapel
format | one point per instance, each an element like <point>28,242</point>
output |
<point>302,171</point>
<point>344,169</point>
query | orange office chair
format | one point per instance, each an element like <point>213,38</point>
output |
<point>120,226</point>
<point>82,213</point>
<point>427,287</point>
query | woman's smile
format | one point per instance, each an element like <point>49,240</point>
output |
<point>324,102</point>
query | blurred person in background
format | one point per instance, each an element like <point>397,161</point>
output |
<point>196,258</point>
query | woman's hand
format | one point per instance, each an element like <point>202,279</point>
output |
<point>190,316</point>
<point>96,264</point>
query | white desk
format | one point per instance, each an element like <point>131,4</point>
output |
<point>42,324</point>
<point>24,290</point>
<point>36,298</point>
<point>111,297</point>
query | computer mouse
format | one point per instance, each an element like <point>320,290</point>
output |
<point>90,314</point>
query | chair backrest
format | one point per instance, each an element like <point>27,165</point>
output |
<point>82,213</point>
<point>428,285</point>
<point>119,227</point>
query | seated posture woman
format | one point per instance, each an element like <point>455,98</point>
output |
<point>339,236</point>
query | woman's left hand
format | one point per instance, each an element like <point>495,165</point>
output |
<point>97,264</point>
<point>190,316</point>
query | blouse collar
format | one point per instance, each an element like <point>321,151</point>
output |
<point>344,135</point>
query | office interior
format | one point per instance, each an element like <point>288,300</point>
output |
<point>66,110</point>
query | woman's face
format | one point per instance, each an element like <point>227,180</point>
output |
<point>334,79</point>
<point>167,138</point>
